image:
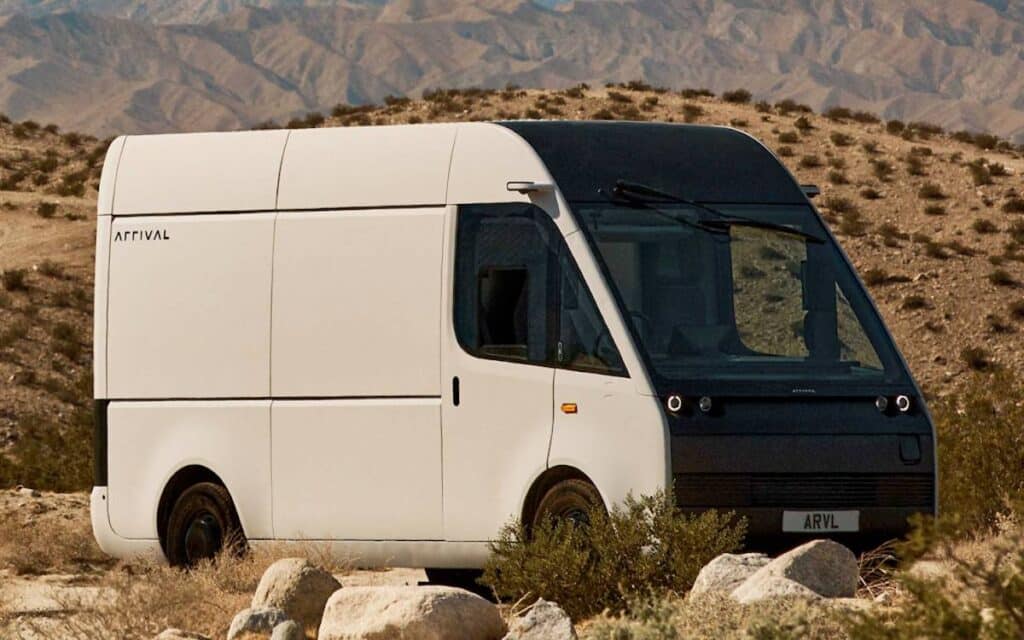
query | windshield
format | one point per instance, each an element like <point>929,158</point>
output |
<point>744,306</point>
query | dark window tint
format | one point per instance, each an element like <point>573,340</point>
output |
<point>519,295</point>
<point>584,341</point>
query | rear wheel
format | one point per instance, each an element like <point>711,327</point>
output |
<point>570,500</point>
<point>201,524</point>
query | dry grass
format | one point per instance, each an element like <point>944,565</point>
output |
<point>716,617</point>
<point>141,599</point>
<point>58,546</point>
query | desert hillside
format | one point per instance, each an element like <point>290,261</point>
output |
<point>115,66</point>
<point>934,224</point>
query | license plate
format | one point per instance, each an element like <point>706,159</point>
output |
<point>820,521</point>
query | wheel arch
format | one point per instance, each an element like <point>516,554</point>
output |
<point>548,479</point>
<point>182,479</point>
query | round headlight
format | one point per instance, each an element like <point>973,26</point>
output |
<point>882,403</point>
<point>674,402</point>
<point>705,404</point>
<point>903,403</point>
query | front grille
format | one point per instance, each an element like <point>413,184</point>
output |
<point>810,491</point>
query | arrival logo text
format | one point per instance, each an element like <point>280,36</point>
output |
<point>136,235</point>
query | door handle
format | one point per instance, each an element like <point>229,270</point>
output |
<point>455,391</point>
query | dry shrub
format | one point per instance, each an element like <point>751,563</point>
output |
<point>739,96</point>
<point>54,455</point>
<point>716,616</point>
<point>140,599</point>
<point>644,546</point>
<point>979,594</point>
<point>980,442</point>
<point>59,546</point>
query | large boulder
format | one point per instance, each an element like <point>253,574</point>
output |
<point>409,613</point>
<point>260,622</point>
<point>544,621</point>
<point>727,571</point>
<point>298,588</point>
<point>822,567</point>
<point>769,587</point>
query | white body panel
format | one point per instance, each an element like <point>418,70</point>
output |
<point>357,297</point>
<point>189,316</point>
<point>366,167</point>
<point>357,469</point>
<point>612,419</point>
<point>100,291</point>
<point>200,172</point>
<point>305,353</point>
<point>150,441</point>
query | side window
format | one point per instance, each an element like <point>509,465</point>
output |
<point>584,343</point>
<point>519,295</point>
<point>505,283</point>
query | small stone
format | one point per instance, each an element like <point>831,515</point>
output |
<point>289,630</point>
<point>258,621</point>
<point>544,621</point>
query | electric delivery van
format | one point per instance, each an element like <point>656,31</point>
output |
<point>396,339</point>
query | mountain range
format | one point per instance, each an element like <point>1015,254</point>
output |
<point>114,66</point>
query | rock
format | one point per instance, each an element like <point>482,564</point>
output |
<point>823,567</point>
<point>25,492</point>
<point>769,587</point>
<point>178,634</point>
<point>727,571</point>
<point>544,621</point>
<point>409,613</point>
<point>289,630</point>
<point>298,588</point>
<point>259,621</point>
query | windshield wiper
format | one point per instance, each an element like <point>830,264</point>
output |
<point>624,198</point>
<point>626,189</point>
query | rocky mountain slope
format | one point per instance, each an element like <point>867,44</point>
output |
<point>934,224</point>
<point>113,66</point>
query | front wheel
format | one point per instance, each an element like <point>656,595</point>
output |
<point>201,524</point>
<point>570,500</point>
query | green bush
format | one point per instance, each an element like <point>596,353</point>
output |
<point>53,456</point>
<point>981,449</point>
<point>645,546</point>
<point>982,596</point>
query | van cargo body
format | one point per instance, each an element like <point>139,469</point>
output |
<point>397,339</point>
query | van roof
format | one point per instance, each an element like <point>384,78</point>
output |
<point>697,162</point>
<point>431,165</point>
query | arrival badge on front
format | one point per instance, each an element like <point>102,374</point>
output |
<point>820,521</point>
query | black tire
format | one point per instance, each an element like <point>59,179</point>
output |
<point>571,500</point>
<point>461,578</point>
<point>202,523</point>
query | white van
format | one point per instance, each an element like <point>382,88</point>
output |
<point>396,339</point>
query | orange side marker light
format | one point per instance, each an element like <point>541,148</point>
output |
<point>570,408</point>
